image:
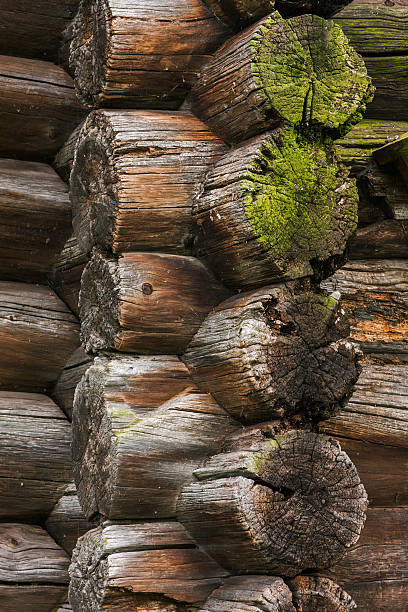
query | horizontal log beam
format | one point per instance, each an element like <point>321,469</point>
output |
<point>38,108</point>
<point>37,332</point>
<point>387,239</point>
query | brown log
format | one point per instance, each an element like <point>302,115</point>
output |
<point>134,179</point>
<point>277,505</point>
<point>240,13</point>
<point>374,571</point>
<point>145,302</point>
<point>251,85</point>
<point>274,208</point>
<point>36,219</point>
<point>33,30</point>
<point>317,593</point>
<point>33,569</point>
<point>64,159</point>
<point>35,455</point>
<point>127,54</point>
<point>274,352</point>
<point>387,239</point>
<point>38,108</point>
<point>374,295</point>
<point>67,522</point>
<point>37,333</point>
<point>138,567</point>
<point>65,277</point>
<point>64,389</point>
<point>131,463</point>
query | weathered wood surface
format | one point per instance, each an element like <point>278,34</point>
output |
<point>267,75</point>
<point>317,593</point>
<point>240,13</point>
<point>395,156</point>
<point>37,333</point>
<point>387,239</point>
<point>38,108</point>
<point>145,302</point>
<point>33,29</point>
<point>131,464</point>
<point>64,159</point>
<point>375,296</point>
<point>273,208</point>
<point>138,567</point>
<point>36,219</point>
<point>274,352</point>
<point>35,455</point>
<point>134,179</point>
<point>64,389</point>
<point>278,505</point>
<point>391,87</point>
<point>65,276</point>
<point>35,598</point>
<point>136,55</point>
<point>67,522</point>
<point>374,571</point>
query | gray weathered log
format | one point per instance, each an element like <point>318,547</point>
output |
<point>275,352</point>
<point>131,460</point>
<point>65,276</point>
<point>135,176</point>
<point>301,71</point>
<point>36,219</point>
<point>275,207</point>
<point>140,566</point>
<point>67,522</point>
<point>35,455</point>
<point>129,54</point>
<point>375,297</point>
<point>37,333</point>
<point>387,239</point>
<point>38,108</point>
<point>64,389</point>
<point>64,159</point>
<point>279,505</point>
<point>145,302</point>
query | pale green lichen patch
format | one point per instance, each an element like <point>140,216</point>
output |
<point>308,72</point>
<point>299,201</point>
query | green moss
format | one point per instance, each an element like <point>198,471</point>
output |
<point>299,201</point>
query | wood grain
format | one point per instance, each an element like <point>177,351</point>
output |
<point>65,276</point>
<point>387,239</point>
<point>64,389</point>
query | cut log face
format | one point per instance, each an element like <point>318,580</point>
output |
<point>145,302</point>
<point>275,352</point>
<point>134,179</point>
<point>252,594</point>
<point>133,55</point>
<point>65,277</point>
<point>375,297</point>
<point>38,108</point>
<point>36,219</point>
<point>37,332</point>
<point>280,506</point>
<point>131,462</point>
<point>274,208</point>
<point>316,593</point>
<point>35,455</point>
<point>138,567</point>
<point>302,71</point>
<point>64,390</point>
<point>387,239</point>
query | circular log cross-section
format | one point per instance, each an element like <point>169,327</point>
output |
<point>302,71</point>
<point>316,593</point>
<point>273,352</point>
<point>276,207</point>
<point>288,504</point>
<point>252,593</point>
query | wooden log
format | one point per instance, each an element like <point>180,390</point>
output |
<point>240,13</point>
<point>67,522</point>
<point>374,571</point>
<point>374,296</point>
<point>129,464</point>
<point>64,389</point>
<point>325,8</point>
<point>65,277</point>
<point>37,332</point>
<point>274,352</point>
<point>317,593</point>
<point>141,566</point>
<point>127,54</point>
<point>34,29</point>
<point>145,302</point>
<point>64,159</point>
<point>274,208</point>
<point>149,165</point>
<point>266,76</point>
<point>33,569</point>
<point>391,90</point>
<point>395,153</point>
<point>387,239</point>
<point>36,219</point>
<point>35,455</point>
<point>277,505</point>
<point>38,108</point>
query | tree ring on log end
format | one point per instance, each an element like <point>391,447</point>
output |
<point>285,505</point>
<point>276,207</point>
<point>316,593</point>
<point>274,352</point>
